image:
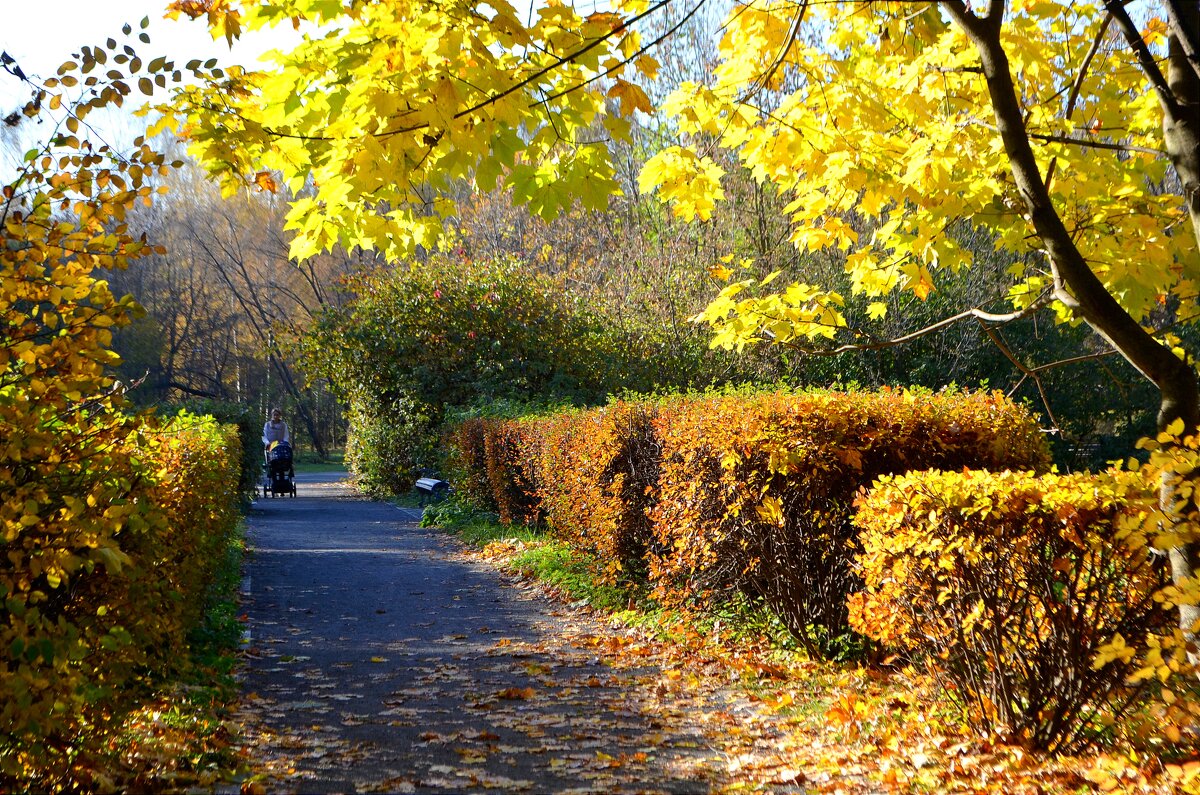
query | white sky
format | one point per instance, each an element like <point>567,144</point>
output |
<point>41,34</point>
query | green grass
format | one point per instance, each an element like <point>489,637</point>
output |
<point>558,565</point>
<point>309,462</point>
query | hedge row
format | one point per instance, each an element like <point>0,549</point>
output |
<point>108,558</point>
<point>712,496</point>
<point>1037,598</point>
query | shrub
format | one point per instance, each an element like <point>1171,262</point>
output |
<point>109,563</point>
<point>1012,586</point>
<point>717,497</point>
<point>249,431</point>
<point>389,443</point>
<point>756,492</point>
<point>192,487</point>
<point>466,462</point>
<point>512,452</point>
<point>600,479</point>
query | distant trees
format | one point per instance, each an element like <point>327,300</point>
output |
<point>224,305</point>
<point>423,340</point>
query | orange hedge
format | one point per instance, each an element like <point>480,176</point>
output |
<point>599,478</point>
<point>511,450</point>
<point>1033,597</point>
<point>467,462</point>
<point>756,493</point>
<point>743,494</point>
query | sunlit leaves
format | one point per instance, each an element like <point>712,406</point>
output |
<point>892,125</point>
<point>801,312</point>
<point>691,183</point>
<point>1003,573</point>
<point>391,104</point>
<point>72,483</point>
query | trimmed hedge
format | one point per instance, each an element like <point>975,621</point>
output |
<point>466,464</point>
<point>1032,597</point>
<point>756,493</point>
<point>713,496</point>
<point>102,586</point>
<point>512,455</point>
<point>600,476</point>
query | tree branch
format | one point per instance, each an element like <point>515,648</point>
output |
<point>1184,28</point>
<point>986,318</point>
<point>1133,37</point>
<point>1077,86</point>
<point>642,51</point>
<point>1090,144</point>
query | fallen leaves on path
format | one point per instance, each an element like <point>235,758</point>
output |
<point>582,703</point>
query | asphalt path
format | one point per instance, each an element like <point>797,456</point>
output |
<point>381,657</point>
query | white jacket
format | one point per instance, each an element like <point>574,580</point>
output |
<point>276,432</point>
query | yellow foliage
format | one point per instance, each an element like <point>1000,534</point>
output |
<point>87,607</point>
<point>1038,594</point>
<point>397,97</point>
<point>883,112</point>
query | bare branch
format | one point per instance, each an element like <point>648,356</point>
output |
<point>989,318</point>
<point>1092,144</point>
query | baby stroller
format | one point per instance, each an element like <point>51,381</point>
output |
<point>280,477</point>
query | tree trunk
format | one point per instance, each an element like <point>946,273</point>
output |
<point>1181,132</point>
<point>302,407</point>
<point>1075,283</point>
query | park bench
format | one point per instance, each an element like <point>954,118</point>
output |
<point>431,489</point>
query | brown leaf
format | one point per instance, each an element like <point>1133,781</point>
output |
<point>265,181</point>
<point>516,693</point>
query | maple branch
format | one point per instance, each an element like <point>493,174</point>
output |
<point>559,61</point>
<point>1091,144</point>
<point>987,318</point>
<point>626,61</point>
<point>524,82</point>
<point>1146,60</point>
<point>762,80</point>
<point>1077,86</point>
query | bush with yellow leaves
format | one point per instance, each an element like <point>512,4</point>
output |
<point>94,594</point>
<point>739,494</point>
<point>1036,599</point>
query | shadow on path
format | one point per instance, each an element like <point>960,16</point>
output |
<point>382,659</point>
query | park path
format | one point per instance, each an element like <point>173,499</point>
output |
<point>383,657</point>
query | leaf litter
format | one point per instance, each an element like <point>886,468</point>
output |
<point>588,704</point>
